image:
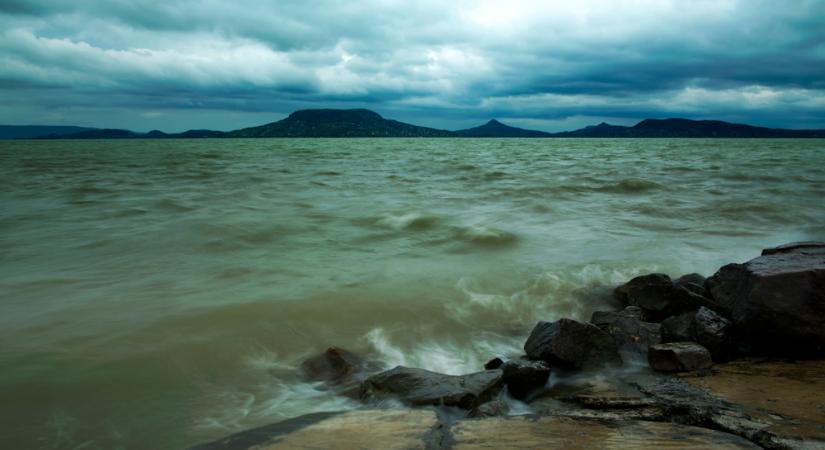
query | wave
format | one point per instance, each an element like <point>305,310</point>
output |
<point>485,236</point>
<point>408,221</point>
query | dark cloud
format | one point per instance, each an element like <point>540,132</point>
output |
<point>531,61</point>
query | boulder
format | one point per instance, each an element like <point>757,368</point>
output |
<point>494,363</point>
<point>422,387</point>
<point>679,357</point>
<point>523,376</point>
<point>776,302</point>
<point>660,296</point>
<point>493,408</point>
<point>632,335</point>
<point>568,343</point>
<point>703,326</point>
<point>333,365</point>
<point>339,369</point>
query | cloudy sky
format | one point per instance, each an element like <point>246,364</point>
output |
<point>551,65</point>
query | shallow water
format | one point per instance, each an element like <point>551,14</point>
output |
<point>157,294</point>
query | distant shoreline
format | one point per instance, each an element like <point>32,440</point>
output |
<point>363,123</point>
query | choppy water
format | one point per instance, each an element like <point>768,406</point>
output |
<point>156,294</point>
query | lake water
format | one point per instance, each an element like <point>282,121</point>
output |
<point>158,294</point>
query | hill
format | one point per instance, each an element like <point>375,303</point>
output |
<point>34,131</point>
<point>686,128</point>
<point>494,128</point>
<point>337,123</point>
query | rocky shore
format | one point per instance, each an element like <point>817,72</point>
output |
<point>736,360</point>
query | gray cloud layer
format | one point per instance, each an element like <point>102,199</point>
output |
<point>551,65</point>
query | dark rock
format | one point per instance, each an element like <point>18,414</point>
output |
<point>492,408</point>
<point>632,335</point>
<point>334,365</point>
<point>776,302</point>
<point>711,330</point>
<point>702,326</point>
<point>694,283</point>
<point>422,387</point>
<point>657,294</point>
<point>523,376</point>
<point>494,363</point>
<point>339,369</point>
<point>679,357</point>
<point>573,344</point>
<point>601,318</point>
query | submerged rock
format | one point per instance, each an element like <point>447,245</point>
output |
<point>422,387</point>
<point>679,357</point>
<point>632,335</point>
<point>776,301</point>
<point>340,369</point>
<point>573,344</point>
<point>702,326</point>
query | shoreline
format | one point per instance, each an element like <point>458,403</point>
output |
<point>689,362</point>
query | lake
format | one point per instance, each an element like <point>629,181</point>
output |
<point>161,293</point>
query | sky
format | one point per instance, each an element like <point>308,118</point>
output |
<point>547,65</point>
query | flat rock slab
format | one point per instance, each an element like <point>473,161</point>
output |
<point>790,394</point>
<point>563,433</point>
<point>354,430</point>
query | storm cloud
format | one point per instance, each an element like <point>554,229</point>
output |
<point>550,65</point>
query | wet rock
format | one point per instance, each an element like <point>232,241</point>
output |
<point>776,302</point>
<point>523,376</point>
<point>369,429</point>
<point>339,369</point>
<point>702,326</point>
<point>741,398</point>
<point>528,432</point>
<point>694,283</point>
<point>492,408</point>
<point>632,335</point>
<point>494,363</point>
<point>572,344</point>
<point>679,357</point>
<point>657,294</point>
<point>422,387</point>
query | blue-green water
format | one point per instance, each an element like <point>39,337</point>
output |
<point>156,294</point>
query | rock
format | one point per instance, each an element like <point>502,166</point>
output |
<point>370,429</point>
<point>679,357</point>
<point>333,365</point>
<point>702,326</point>
<point>340,369</point>
<point>492,408</point>
<point>494,363</point>
<point>563,433</point>
<point>775,405</point>
<point>657,294</point>
<point>631,334</point>
<point>523,376</point>
<point>422,387</point>
<point>776,302</point>
<point>693,282</point>
<point>600,318</point>
<point>573,344</point>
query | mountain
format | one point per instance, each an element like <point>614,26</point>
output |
<point>686,128</point>
<point>494,128</point>
<point>308,123</point>
<point>33,131</point>
<point>337,123</point>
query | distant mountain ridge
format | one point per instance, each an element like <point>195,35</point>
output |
<point>335,123</point>
<point>34,131</point>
